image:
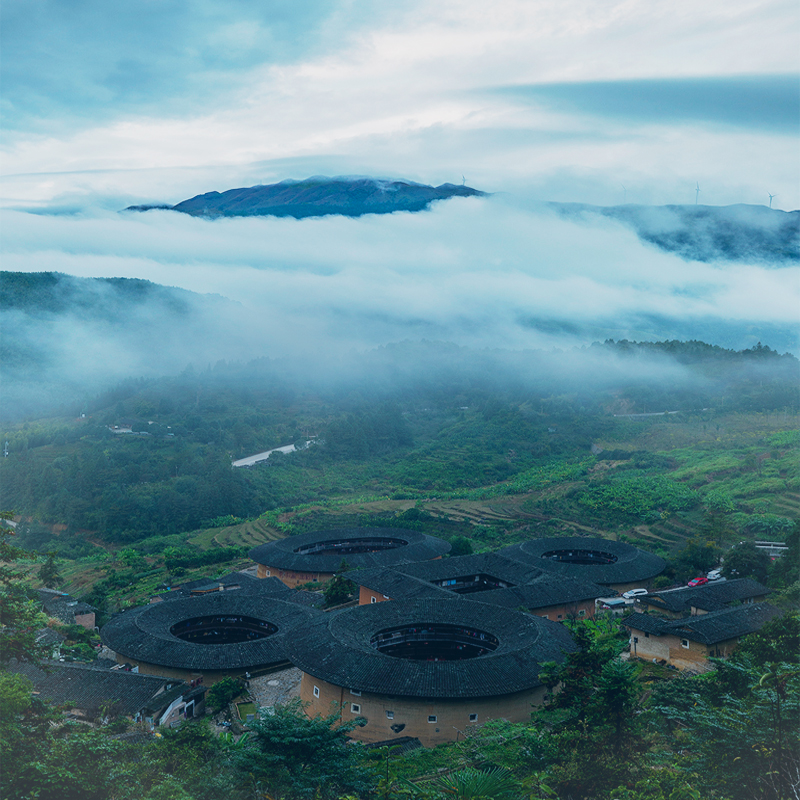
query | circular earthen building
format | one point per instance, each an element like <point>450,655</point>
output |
<point>223,634</point>
<point>425,669</point>
<point>617,565</point>
<point>317,556</point>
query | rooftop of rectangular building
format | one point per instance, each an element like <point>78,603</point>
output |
<point>710,597</point>
<point>718,626</point>
<point>93,689</point>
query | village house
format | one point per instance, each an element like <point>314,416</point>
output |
<point>66,609</point>
<point>97,694</point>
<point>690,601</point>
<point>687,643</point>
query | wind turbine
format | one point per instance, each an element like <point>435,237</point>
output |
<point>696,193</point>
<point>624,193</point>
<point>463,181</point>
<point>770,198</point>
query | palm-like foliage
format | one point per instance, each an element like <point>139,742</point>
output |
<point>472,784</point>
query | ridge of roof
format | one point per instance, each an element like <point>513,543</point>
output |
<point>632,564</point>
<point>338,649</point>
<point>282,554</point>
<point>711,628</point>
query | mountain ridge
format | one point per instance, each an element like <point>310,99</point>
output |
<point>317,196</point>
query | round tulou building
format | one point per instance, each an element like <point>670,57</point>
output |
<point>426,669</point>
<point>223,634</point>
<point>617,565</point>
<point>317,556</point>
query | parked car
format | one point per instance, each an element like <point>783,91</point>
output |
<point>714,575</point>
<point>701,581</point>
<point>634,593</point>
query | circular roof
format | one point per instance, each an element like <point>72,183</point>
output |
<point>339,648</point>
<point>323,551</point>
<point>588,558</point>
<point>145,633</point>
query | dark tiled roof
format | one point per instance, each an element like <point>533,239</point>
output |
<point>229,581</point>
<point>281,554</point>
<point>718,626</point>
<point>710,597</point>
<point>337,649</point>
<point>93,690</point>
<point>144,633</point>
<point>632,564</point>
<point>62,606</point>
<point>492,564</point>
<point>530,586</point>
<point>545,590</point>
<point>396,585</point>
<point>49,637</point>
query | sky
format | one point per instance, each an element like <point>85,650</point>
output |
<point>591,101</point>
<point>563,99</point>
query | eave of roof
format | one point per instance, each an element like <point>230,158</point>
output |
<point>337,649</point>
<point>281,554</point>
<point>144,634</point>
<point>632,564</point>
<point>718,626</point>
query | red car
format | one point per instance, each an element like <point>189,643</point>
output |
<point>702,580</point>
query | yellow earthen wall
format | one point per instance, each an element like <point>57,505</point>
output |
<point>410,715</point>
<point>290,577</point>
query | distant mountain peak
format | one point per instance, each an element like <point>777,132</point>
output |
<point>319,195</point>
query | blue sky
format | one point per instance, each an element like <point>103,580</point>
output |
<point>559,99</point>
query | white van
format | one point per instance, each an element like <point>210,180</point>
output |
<point>634,593</point>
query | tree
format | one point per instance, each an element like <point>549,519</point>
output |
<point>49,574</point>
<point>223,692</point>
<point>777,641</point>
<point>295,756</point>
<point>740,739</point>
<point>745,560</point>
<point>460,546</point>
<point>339,589</point>
<point>20,617</point>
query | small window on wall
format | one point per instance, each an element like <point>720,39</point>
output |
<point>685,643</point>
<point>268,573</point>
<point>355,692</point>
<point>390,715</point>
<point>473,717</point>
<point>432,718</point>
<point>646,635</point>
<point>316,691</point>
<point>355,708</point>
<point>559,616</point>
<point>373,600</point>
<point>582,612</point>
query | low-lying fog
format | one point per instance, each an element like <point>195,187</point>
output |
<point>480,272</point>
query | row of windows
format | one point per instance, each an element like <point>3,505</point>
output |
<point>355,708</point>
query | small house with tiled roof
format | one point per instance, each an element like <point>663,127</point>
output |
<point>66,609</point>
<point>316,557</point>
<point>486,578</point>
<point>616,565</point>
<point>687,643</point>
<point>94,693</point>
<point>428,669</point>
<point>692,600</point>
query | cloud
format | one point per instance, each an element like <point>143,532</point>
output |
<point>759,102</point>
